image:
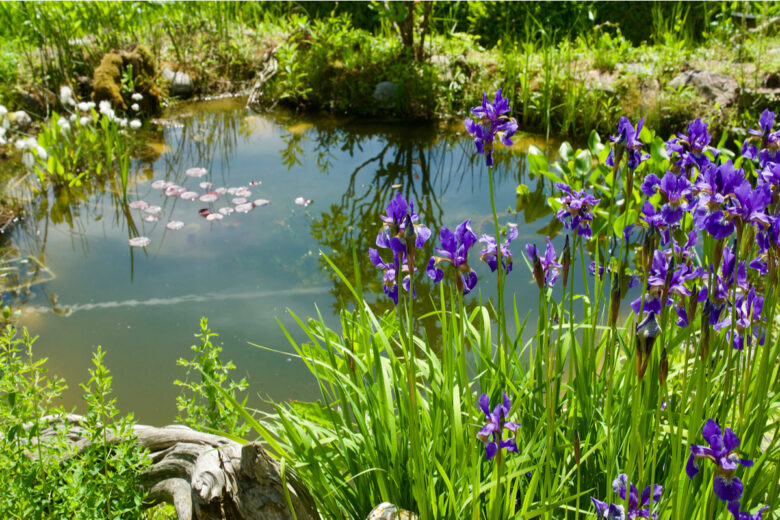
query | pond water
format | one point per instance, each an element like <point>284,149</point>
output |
<point>83,286</point>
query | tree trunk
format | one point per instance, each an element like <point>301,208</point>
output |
<point>208,477</point>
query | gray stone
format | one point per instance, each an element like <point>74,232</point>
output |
<point>386,92</point>
<point>720,88</point>
<point>167,73</point>
<point>21,120</point>
<point>387,511</point>
<point>182,85</point>
<point>638,69</point>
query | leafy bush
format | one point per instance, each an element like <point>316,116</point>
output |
<point>44,474</point>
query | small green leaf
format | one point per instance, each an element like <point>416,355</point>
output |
<point>522,190</point>
<point>583,163</point>
<point>537,161</point>
<point>566,151</point>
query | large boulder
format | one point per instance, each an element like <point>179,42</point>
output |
<point>719,88</point>
<point>182,85</point>
<point>386,93</point>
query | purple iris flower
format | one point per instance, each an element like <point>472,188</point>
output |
<point>628,140</point>
<point>654,222</point>
<point>490,253</point>
<point>490,122</point>
<point>733,508</point>
<point>769,141</point>
<point>690,147</point>
<point>727,487</point>
<point>621,486</point>
<point>399,215</point>
<point>745,314</point>
<point>491,434</point>
<point>575,211</point>
<point>715,187</point>
<point>550,268</point>
<point>455,250</point>
<point>751,204</point>
<point>608,511</point>
<point>674,189</point>
<point>390,271</point>
<point>661,281</point>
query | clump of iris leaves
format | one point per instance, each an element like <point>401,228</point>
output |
<point>652,365</point>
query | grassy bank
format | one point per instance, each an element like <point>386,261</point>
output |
<point>568,69</point>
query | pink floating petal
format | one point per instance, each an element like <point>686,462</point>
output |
<point>174,191</point>
<point>189,195</point>
<point>196,172</point>
<point>255,183</point>
<point>139,241</point>
<point>302,202</point>
<point>168,184</point>
<point>209,197</point>
<point>239,200</point>
<point>138,204</point>
<point>158,184</point>
<point>262,202</point>
<point>214,216</point>
<point>153,210</point>
<point>221,191</point>
<point>226,211</point>
<point>243,192</point>
<point>175,225</point>
<point>205,185</point>
<point>244,208</point>
<point>205,212</point>
<point>151,218</point>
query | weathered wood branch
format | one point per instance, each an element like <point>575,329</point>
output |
<point>205,476</point>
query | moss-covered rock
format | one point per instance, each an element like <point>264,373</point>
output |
<point>136,67</point>
<point>107,81</point>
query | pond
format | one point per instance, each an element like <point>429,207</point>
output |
<point>82,285</point>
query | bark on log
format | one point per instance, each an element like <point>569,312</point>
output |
<point>208,477</point>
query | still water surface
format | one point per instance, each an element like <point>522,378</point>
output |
<point>246,271</point>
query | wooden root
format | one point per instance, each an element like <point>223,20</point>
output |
<point>208,477</point>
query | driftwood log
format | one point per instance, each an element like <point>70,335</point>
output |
<point>207,477</point>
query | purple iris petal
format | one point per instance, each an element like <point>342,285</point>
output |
<point>733,508</point>
<point>727,488</point>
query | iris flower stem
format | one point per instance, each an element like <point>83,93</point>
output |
<point>411,366</point>
<point>726,404</point>
<point>657,414</point>
<point>499,273</point>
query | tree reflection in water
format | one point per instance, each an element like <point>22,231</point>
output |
<point>417,161</point>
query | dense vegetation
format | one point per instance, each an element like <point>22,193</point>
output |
<point>566,67</point>
<point>552,419</point>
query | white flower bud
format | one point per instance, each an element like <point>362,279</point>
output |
<point>135,124</point>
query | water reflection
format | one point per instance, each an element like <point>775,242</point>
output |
<point>245,271</point>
